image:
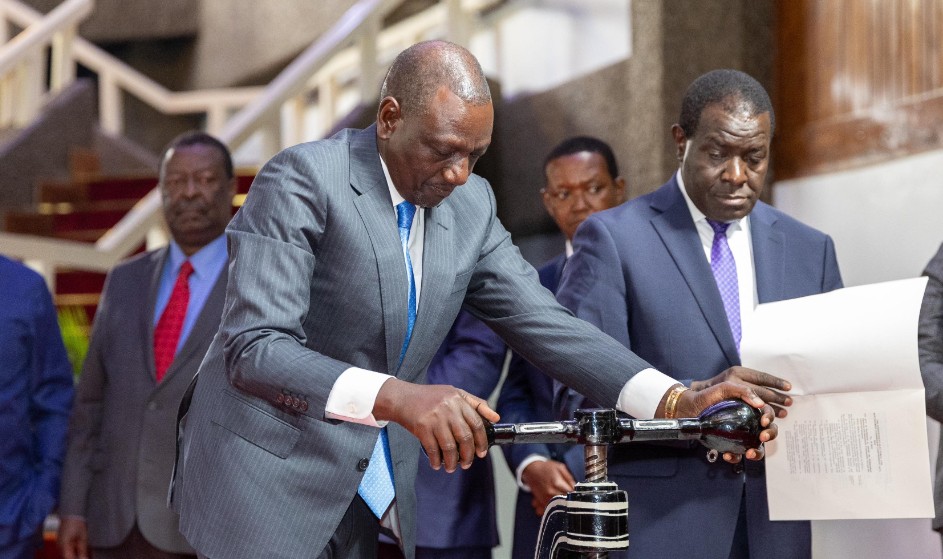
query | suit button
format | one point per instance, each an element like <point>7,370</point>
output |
<point>304,406</point>
<point>295,403</point>
<point>152,406</point>
<point>362,464</point>
<point>280,399</point>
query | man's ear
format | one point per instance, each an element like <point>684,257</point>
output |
<point>388,117</point>
<point>681,141</point>
<point>620,186</point>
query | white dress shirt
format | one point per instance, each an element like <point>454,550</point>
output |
<point>741,245</point>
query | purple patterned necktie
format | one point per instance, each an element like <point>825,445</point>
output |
<point>725,274</point>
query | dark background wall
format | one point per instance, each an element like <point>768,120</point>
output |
<point>631,104</point>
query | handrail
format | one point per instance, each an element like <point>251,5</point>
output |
<point>353,42</point>
<point>22,66</point>
<point>115,76</point>
<point>296,75</point>
<point>67,14</point>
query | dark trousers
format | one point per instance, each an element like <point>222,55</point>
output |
<point>355,537</point>
<point>390,551</point>
<point>135,546</point>
<point>741,545</point>
<point>23,549</point>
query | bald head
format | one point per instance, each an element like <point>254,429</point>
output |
<point>421,70</point>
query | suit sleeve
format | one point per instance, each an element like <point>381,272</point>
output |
<point>51,394</point>
<point>471,357</point>
<point>504,292</point>
<point>86,422</point>
<point>272,242</point>
<point>591,281</point>
<point>930,337</point>
<point>832,277</point>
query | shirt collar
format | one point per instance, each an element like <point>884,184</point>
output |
<point>203,260</point>
<point>698,215</point>
<point>394,194</point>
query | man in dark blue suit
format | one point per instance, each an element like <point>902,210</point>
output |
<point>457,517</point>
<point>35,398</point>
<point>582,177</point>
<point>457,511</point>
<point>674,275</point>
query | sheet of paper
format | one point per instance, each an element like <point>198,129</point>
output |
<point>854,444</point>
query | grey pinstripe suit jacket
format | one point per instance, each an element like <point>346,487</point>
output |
<point>316,285</point>
<point>930,338</point>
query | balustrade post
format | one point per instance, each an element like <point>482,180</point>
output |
<point>62,66</point>
<point>458,23</point>
<point>44,268</point>
<point>369,66</point>
<point>110,104</point>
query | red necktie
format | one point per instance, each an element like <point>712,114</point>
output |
<point>167,331</point>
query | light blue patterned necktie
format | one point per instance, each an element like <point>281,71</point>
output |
<point>725,274</point>
<point>376,487</point>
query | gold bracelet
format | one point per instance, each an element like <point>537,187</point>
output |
<point>671,404</point>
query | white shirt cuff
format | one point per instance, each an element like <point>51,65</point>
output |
<point>642,394</point>
<point>520,469</point>
<point>353,395</point>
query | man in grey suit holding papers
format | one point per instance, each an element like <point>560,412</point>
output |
<point>348,264</point>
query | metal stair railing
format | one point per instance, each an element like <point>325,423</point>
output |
<point>345,62</point>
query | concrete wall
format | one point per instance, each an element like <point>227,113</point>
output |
<point>631,104</point>
<point>122,20</point>
<point>242,40</point>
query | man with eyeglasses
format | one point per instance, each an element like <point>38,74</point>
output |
<point>582,178</point>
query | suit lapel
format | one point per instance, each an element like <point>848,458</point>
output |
<point>438,276</point>
<point>769,251</point>
<point>558,264</point>
<point>675,227</point>
<point>376,211</point>
<point>156,260</point>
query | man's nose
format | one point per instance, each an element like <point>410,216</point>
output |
<point>457,173</point>
<point>735,171</point>
<point>191,188</point>
<point>579,200</point>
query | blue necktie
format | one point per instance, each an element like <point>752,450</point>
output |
<point>725,274</point>
<point>376,487</point>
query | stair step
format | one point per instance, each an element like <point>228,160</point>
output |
<point>125,188</point>
<point>84,211</point>
<point>73,282</point>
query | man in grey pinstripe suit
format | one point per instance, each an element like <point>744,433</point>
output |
<point>310,357</point>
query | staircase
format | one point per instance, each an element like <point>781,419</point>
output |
<point>83,210</point>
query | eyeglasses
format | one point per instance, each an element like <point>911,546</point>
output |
<point>567,195</point>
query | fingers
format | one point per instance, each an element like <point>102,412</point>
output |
<point>482,408</point>
<point>768,434</point>
<point>473,413</point>
<point>567,478</point>
<point>692,403</point>
<point>773,397</point>
<point>452,433</point>
<point>758,378</point>
<point>732,458</point>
